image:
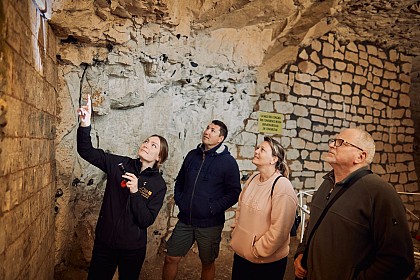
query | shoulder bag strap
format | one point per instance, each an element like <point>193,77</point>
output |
<point>274,184</point>
<point>272,187</point>
<point>246,186</point>
<point>324,212</point>
<point>253,178</point>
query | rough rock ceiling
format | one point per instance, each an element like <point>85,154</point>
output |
<point>389,23</point>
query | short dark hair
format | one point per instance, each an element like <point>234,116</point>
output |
<point>223,128</point>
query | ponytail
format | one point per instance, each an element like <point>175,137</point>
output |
<point>284,168</point>
<point>278,151</point>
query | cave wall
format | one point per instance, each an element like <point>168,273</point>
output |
<point>157,72</point>
<point>331,84</point>
<point>173,89</point>
<point>335,84</point>
<point>415,111</point>
<point>148,78</point>
<point>155,69</point>
<point>28,81</point>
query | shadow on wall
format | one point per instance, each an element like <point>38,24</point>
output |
<point>3,122</point>
<point>415,110</point>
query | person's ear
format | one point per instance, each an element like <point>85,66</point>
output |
<point>274,160</point>
<point>221,138</point>
<point>361,157</point>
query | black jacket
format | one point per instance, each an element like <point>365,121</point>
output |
<point>364,235</point>
<point>124,217</point>
<point>207,184</point>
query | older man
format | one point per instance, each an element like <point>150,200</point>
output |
<point>365,234</point>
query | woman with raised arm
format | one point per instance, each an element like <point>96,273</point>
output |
<point>133,196</point>
<point>264,218</point>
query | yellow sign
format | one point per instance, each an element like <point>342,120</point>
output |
<point>270,122</point>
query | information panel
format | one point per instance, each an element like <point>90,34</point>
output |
<point>270,122</point>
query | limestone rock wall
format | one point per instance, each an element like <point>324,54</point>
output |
<point>169,75</point>
<point>333,85</point>
<point>28,81</point>
<point>170,67</point>
<point>173,87</point>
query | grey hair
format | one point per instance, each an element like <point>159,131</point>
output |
<point>366,142</point>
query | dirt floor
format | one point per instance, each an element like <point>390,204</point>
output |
<point>190,267</point>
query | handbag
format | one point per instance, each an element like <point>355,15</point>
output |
<point>352,180</point>
<point>296,223</point>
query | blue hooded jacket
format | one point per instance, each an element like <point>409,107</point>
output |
<point>207,184</point>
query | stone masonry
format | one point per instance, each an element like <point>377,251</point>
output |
<point>333,85</point>
<point>160,83</point>
<point>171,66</point>
<point>28,78</point>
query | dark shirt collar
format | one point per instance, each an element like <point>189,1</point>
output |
<point>330,175</point>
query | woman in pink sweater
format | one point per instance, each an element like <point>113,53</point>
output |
<point>264,217</point>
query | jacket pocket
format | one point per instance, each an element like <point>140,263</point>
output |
<point>183,203</point>
<point>242,243</point>
<point>201,207</point>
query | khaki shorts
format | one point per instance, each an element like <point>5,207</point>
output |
<point>183,237</point>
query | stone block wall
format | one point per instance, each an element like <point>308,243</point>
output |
<point>28,78</point>
<point>332,86</point>
<point>415,108</point>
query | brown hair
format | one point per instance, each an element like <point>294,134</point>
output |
<point>278,151</point>
<point>164,150</point>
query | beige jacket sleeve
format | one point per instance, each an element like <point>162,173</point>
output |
<point>284,204</point>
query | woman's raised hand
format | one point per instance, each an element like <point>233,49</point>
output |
<point>85,112</point>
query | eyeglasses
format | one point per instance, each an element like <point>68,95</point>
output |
<point>339,142</point>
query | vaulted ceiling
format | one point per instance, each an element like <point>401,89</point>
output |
<point>389,23</point>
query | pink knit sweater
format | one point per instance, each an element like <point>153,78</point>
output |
<point>263,223</point>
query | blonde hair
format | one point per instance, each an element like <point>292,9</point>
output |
<point>278,151</point>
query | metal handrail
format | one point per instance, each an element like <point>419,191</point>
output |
<point>303,209</point>
<point>412,214</point>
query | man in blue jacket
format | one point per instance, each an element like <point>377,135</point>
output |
<point>207,185</point>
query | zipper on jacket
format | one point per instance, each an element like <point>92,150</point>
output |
<point>331,190</point>
<point>332,178</point>
<point>195,183</point>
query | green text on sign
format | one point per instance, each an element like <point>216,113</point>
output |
<point>270,122</point>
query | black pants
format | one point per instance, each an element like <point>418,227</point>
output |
<point>105,261</point>
<point>245,270</point>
